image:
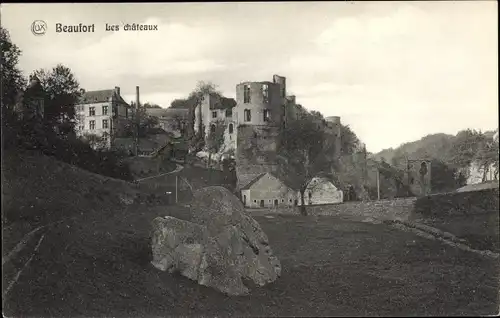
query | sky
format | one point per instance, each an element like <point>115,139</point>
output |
<point>393,71</point>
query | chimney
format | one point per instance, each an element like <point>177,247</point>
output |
<point>137,103</point>
<point>117,90</point>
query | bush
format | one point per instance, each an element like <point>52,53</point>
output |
<point>35,135</point>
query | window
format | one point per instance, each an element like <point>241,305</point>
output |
<point>248,115</point>
<point>212,128</point>
<point>91,111</point>
<point>105,124</point>
<point>104,110</point>
<point>229,113</point>
<point>82,127</point>
<point>265,93</point>
<point>231,128</point>
<point>126,112</point>
<point>92,124</point>
<point>282,200</point>
<point>214,114</point>
<point>267,115</point>
<point>246,94</point>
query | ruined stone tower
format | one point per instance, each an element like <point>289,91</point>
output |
<point>261,111</point>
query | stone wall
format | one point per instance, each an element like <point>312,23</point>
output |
<point>397,209</point>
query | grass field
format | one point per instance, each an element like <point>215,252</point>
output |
<point>99,266</point>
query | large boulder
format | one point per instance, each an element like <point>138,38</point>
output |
<point>222,247</point>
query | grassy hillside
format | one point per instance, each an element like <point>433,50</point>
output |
<point>37,189</point>
<point>431,146</point>
<point>434,145</point>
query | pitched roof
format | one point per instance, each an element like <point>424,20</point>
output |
<point>258,177</point>
<point>100,96</point>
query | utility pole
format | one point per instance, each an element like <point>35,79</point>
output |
<point>176,186</point>
<point>378,183</point>
<point>136,121</point>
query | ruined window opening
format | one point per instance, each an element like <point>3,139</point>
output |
<point>229,113</point>
<point>231,128</point>
<point>267,115</point>
<point>265,93</point>
<point>246,94</point>
<point>248,115</point>
<point>214,114</point>
<point>91,111</point>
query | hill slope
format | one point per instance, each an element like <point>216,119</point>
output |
<point>37,189</point>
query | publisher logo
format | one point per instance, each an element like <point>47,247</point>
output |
<point>38,27</point>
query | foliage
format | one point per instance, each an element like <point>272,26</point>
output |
<point>140,122</point>
<point>151,105</point>
<point>95,141</point>
<point>12,80</point>
<point>62,93</point>
<point>301,154</point>
<point>52,135</point>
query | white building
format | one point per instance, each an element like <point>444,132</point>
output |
<point>265,191</point>
<point>102,113</point>
<point>321,191</point>
<point>212,109</point>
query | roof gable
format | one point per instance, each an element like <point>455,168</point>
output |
<point>257,181</point>
<point>322,183</point>
<point>101,96</point>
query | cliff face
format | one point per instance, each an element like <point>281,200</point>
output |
<point>255,152</point>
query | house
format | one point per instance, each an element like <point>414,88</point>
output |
<point>213,108</point>
<point>321,191</point>
<point>266,190</point>
<point>102,113</point>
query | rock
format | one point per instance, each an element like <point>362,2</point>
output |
<point>222,247</point>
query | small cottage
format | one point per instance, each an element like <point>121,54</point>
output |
<point>266,190</point>
<point>322,191</point>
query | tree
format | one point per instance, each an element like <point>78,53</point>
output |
<point>139,122</point>
<point>180,103</point>
<point>12,80</point>
<point>487,157</point>
<point>465,147</point>
<point>95,141</point>
<point>349,142</point>
<point>181,124</point>
<point>151,105</point>
<point>62,93</point>
<point>301,155</point>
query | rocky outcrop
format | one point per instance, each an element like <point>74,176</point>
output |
<point>221,247</point>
